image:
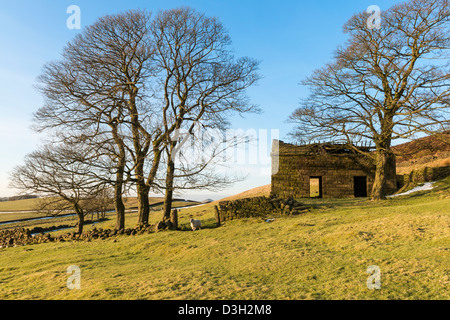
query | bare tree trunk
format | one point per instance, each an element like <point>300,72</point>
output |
<point>118,201</point>
<point>143,190</point>
<point>141,146</point>
<point>119,183</point>
<point>216,209</point>
<point>383,161</point>
<point>383,157</point>
<point>174,219</point>
<point>120,211</point>
<point>80,215</point>
<point>169,190</point>
<point>378,189</point>
<point>144,205</point>
<point>80,224</point>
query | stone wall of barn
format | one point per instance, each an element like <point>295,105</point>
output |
<point>292,169</point>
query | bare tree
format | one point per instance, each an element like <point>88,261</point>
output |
<point>200,161</point>
<point>55,175</point>
<point>200,80</point>
<point>384,84</point>
<point>98,203</point>
<point>127,83</point>
<point>99,87</point>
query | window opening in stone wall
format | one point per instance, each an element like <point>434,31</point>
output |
<point>360,184</point>
<point>315,187</point>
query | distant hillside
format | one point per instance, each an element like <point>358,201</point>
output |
<point>428,151</point>
<point>416,149</point>
<point>16,198</point>
<point>255,192</point>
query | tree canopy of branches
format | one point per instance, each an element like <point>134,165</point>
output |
<point>200,84</point>
<point>384,84</point>
<point>96,93</point>
<point>125,87</point>
<point>55,174</point>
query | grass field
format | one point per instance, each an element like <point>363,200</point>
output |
<point>323,254</point>
<point>30,204</point>
<point>131,218</point>
<point>18,205</point>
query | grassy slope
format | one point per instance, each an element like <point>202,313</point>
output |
<point>320,255</point>
<point>424,152</point>
<point>255,192</point>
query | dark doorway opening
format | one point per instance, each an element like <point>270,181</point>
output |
<point>360,184</point>
<point>315,187</point>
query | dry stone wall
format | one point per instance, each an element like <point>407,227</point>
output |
<point>427,174</point>
<point>21,236</point>
<point>258,207</point>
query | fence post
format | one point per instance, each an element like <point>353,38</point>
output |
<point>174,219</point>
<point>217,216</point>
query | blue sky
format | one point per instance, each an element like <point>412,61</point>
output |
<point>291,38</point>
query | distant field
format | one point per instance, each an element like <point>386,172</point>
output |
<point>18,205</point>
<point>30,204</point>
<point>131,218</point>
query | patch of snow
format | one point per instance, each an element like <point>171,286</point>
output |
<point>426,187</point>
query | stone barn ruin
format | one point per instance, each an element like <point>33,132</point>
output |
<point>324,171</point>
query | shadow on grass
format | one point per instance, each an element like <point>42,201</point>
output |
<point>442,186</point>
<point>320,204</point>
